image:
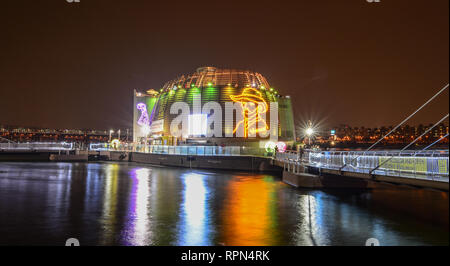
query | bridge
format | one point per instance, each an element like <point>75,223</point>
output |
<point>421,168</point>
<point>37,146</point>
<point>424,168</point>
<point>427,169</point>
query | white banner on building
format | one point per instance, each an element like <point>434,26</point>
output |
<point>157,126</point>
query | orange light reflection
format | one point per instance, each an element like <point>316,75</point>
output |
<point>249,219</point>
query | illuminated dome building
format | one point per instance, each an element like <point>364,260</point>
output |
<point>152,117</point>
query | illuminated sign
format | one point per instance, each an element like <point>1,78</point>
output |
<point>197,124</point>
<point>333,132</point>
<point>253,106</point>
<point>143,119</point>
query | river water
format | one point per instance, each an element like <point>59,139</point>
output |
<point>44,203</point>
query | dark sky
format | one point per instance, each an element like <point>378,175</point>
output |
<point>75,65</point>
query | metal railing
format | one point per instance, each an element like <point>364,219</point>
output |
<point>183,150</point>
<point>36,146</point>
<point>196,150</point>
<point>206,150</point>
<point>432,164</point>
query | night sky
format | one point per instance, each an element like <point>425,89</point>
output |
<point>75,65</point>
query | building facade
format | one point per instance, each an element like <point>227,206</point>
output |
<point>213,107</point>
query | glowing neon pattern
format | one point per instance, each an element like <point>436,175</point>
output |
<point>281,146</point>
<point>251,97</point>
<point>143,119</point>
<point>270,146</point>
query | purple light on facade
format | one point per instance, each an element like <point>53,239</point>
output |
<point>143,119</point>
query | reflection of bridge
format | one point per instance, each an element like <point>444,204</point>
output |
<point>420,168</point>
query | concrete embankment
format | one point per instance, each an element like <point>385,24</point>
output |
<point>24,156</point>
<point>242,163</point>
<point>312,180</point>
<point>54,156</point>
<point>68,157</point>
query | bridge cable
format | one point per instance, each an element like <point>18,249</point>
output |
<point>432,144</point>
<point>414,141</point>
<point>395,128</point>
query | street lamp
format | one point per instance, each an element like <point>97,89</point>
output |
<point>309,133</point>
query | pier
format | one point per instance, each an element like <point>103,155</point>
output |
<point>317,169</point>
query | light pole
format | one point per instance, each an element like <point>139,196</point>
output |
<point>146,131</point>
<point>309,132</point>
<point>110,133</point>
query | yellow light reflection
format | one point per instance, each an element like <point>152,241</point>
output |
<point>110,203</point>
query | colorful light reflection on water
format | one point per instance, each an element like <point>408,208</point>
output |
<point>131,204</point>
